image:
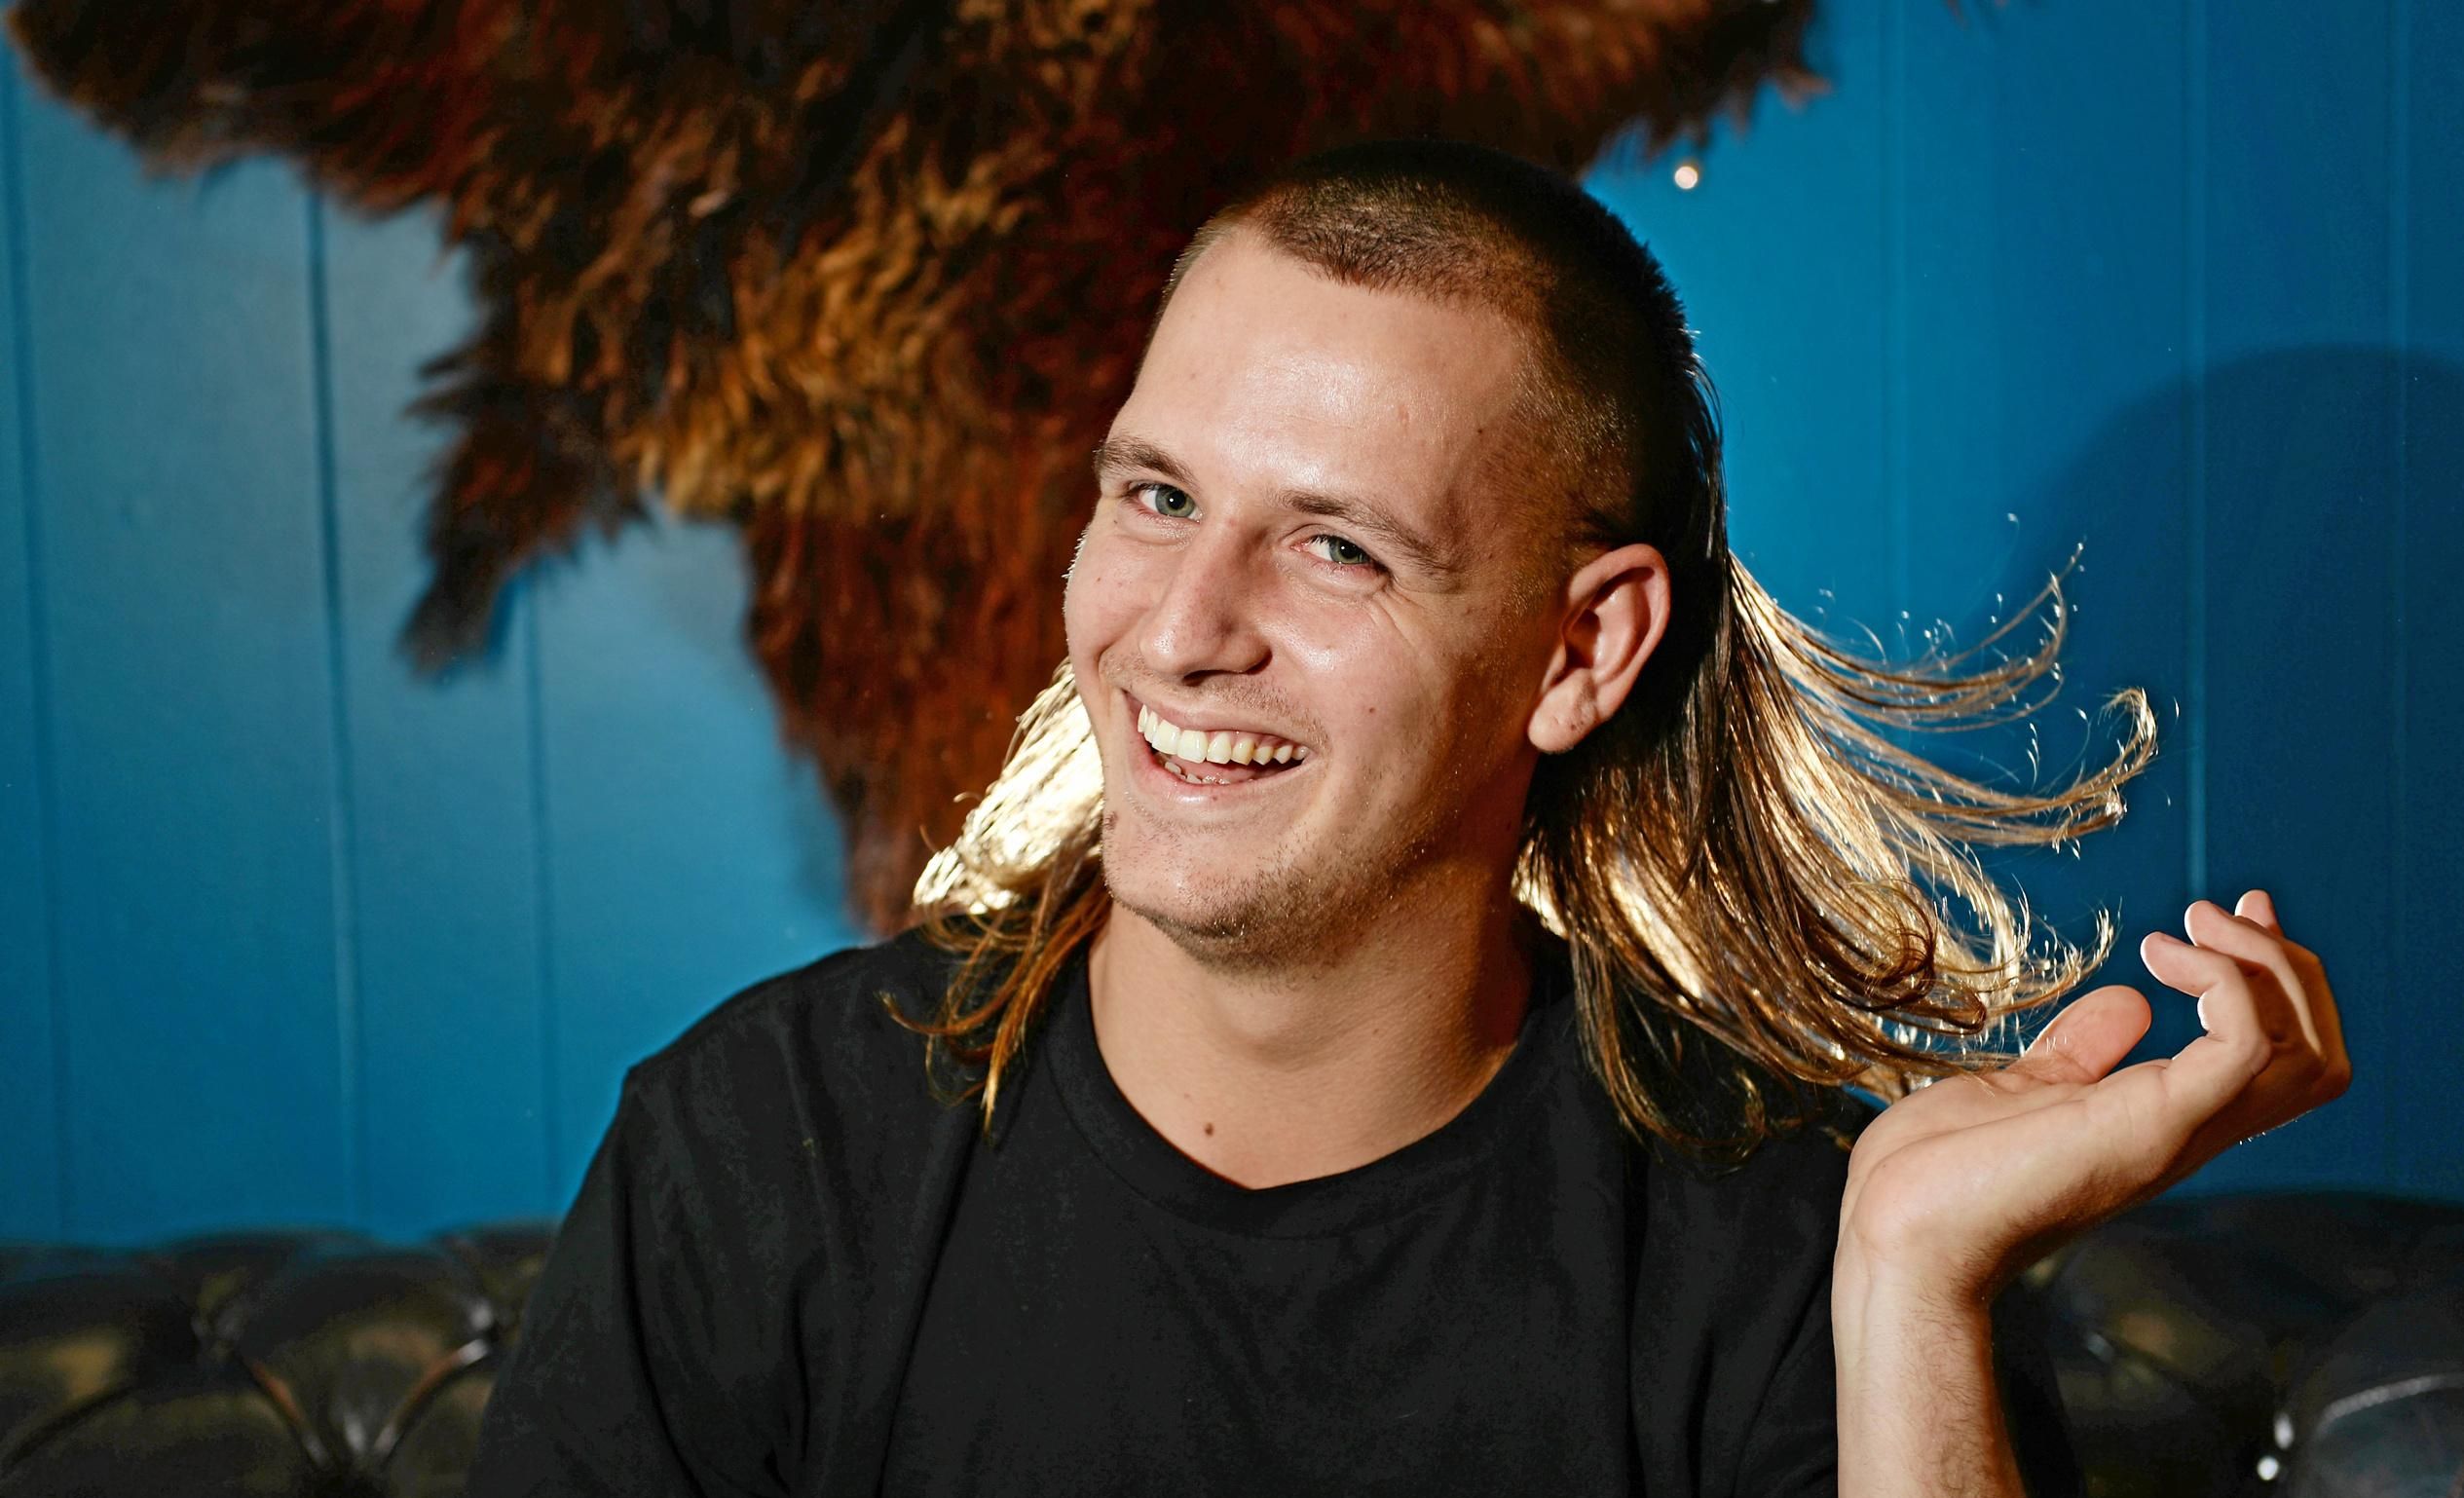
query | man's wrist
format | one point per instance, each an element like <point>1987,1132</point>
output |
<point>1869,1295</point>
<point>1919,1411</point>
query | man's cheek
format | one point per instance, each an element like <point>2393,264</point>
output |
<point>1105,595</point>
<point>1083,618</point>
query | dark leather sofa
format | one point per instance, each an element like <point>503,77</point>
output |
<point>2307,1344</point>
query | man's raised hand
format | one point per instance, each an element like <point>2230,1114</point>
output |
<point>1960,1185</point>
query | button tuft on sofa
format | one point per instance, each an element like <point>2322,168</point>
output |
<point>280,1362</point>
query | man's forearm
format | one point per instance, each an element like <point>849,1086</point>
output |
<point>1920,1414</point>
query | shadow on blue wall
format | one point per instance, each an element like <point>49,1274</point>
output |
<point>2268,551</point>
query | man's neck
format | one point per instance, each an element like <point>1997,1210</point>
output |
<point>1282,1074</point>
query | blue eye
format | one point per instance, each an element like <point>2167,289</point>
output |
<point>1167,501</point>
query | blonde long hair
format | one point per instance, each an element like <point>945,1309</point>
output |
<point>1763,892</point>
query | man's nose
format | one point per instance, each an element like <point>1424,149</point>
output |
<point>1207,619</point>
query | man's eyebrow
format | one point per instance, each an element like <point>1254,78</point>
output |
<point>1389,533</point>
<point>1114,455</point>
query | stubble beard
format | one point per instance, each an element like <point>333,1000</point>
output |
<point>1298,908</point>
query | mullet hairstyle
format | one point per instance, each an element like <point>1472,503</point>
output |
<point>1765,894</point>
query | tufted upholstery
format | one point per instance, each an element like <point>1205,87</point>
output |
<point>2314,1337</point>
<point>319,1363</point>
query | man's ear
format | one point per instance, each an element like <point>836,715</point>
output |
<point>1616,609</point>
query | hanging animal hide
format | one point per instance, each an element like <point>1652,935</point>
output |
<point>866,277</point>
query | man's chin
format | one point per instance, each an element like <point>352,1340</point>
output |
<point>1227,921</point>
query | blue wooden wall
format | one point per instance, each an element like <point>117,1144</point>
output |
<point>288,934</point>
<point>285,932</point>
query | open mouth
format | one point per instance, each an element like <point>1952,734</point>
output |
<point>1218,757</point>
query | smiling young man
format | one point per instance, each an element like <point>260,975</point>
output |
<point>1405,976</point>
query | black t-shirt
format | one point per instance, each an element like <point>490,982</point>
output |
<point>791,1270</point>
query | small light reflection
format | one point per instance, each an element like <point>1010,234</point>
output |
<point>1688,176</point>
<point>2268,1467</point>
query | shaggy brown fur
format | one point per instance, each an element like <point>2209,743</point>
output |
<point>867,278</point>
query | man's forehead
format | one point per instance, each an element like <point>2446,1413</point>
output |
<point>1246,301</point>
<point>1265,370</point>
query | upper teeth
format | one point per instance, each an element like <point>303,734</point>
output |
<point>1222,747</point>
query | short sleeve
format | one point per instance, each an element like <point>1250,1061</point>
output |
<point>618,1384</point>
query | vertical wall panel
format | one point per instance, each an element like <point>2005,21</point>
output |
<point>445,866</point>
<point>2006,267</point>
<point>30,1165</point>
<point>1778,255</point>
<point>690,857</point>
<point>2044,314</point>
<point>2426,1015</point>
<point>184,616</point>
<point>2299,506</point>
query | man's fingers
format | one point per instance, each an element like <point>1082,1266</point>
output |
<point>2241,1038</point>
<point>2273,1047</point>
<point>2259,1064</point>
<point>2169,1116</point>
<point>2261,907</point>
<point>2323,1010</point>
<point>2231,1004</point>
<point>2179,1112</point>
<point>2242,938</point>
<point>2257,927</point>
<point>2088,1038</point>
